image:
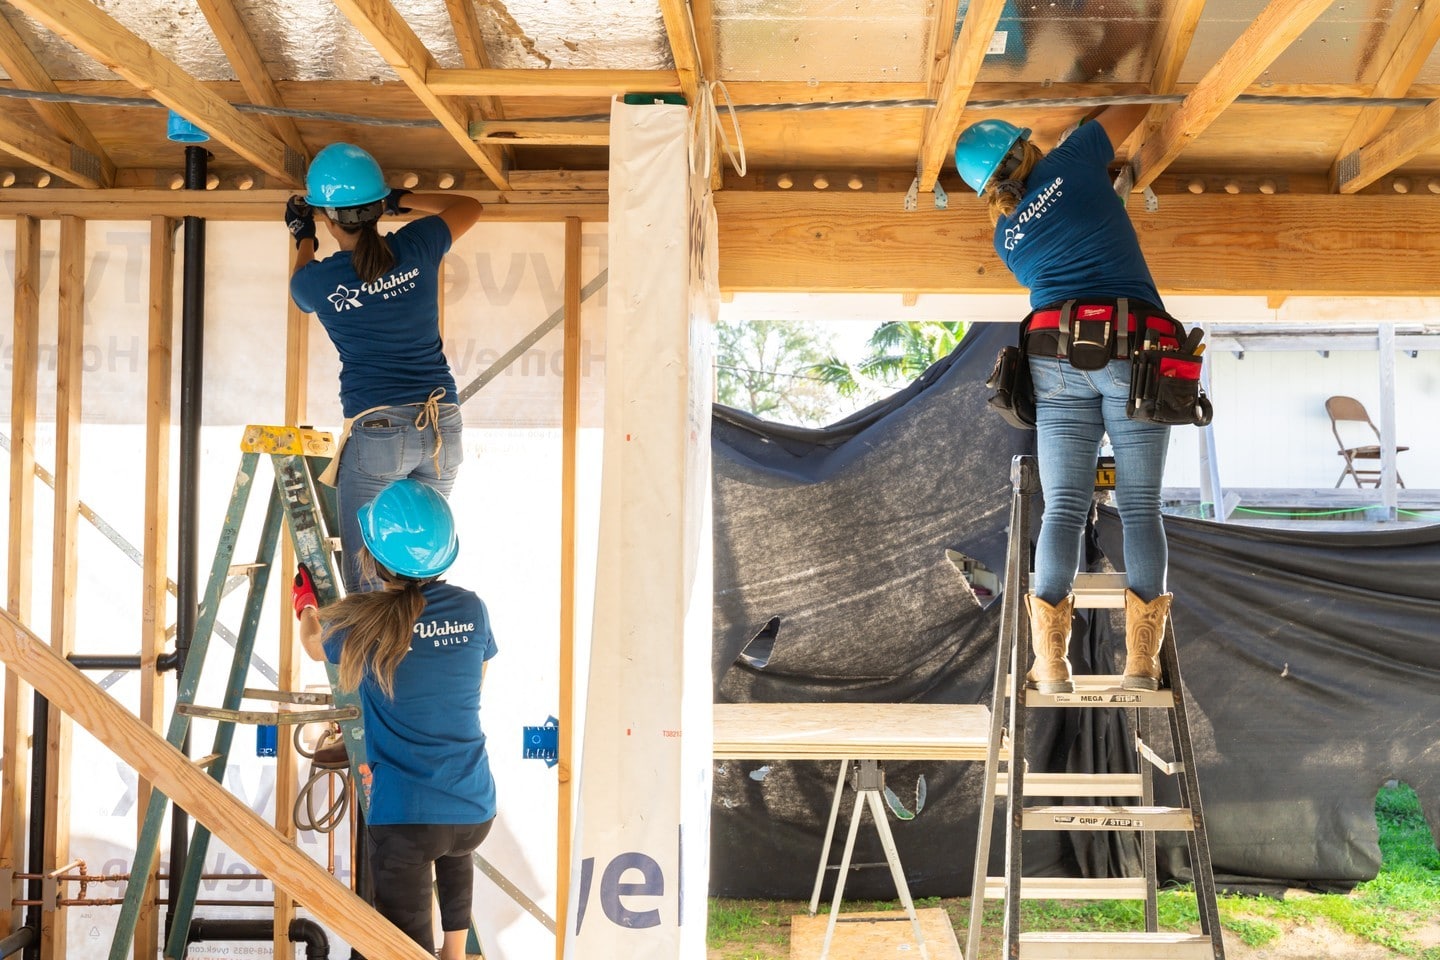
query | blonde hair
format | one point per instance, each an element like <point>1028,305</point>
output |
<point>378,625</point>
<point>1002,203</point>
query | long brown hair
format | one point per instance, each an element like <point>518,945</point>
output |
<point>372,257</point>
<point>378,625</point>
<point>1002,203</point>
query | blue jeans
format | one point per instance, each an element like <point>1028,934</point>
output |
<point>1073,410</point>
<point>385,446</point>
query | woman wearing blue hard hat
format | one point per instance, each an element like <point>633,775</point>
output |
<point>1064,233</point>
<point>416,648</point>
<point>378,299</point>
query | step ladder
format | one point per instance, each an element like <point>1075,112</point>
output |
<point>1006,775</point>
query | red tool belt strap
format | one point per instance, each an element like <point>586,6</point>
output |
<point>1092,323</point>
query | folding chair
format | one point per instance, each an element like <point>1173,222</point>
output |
<point>1343,410</point>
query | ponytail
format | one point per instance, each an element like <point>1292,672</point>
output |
<point>1003,193</point>
<point>378,624</point>
<point>372,257</point>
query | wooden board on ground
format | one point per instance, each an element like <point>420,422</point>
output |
<point>845,731</point>
<point>874,936</point>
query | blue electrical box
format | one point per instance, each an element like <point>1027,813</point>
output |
<point>543,743</point>
<point>267,738</point>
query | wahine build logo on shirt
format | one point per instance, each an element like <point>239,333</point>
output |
<point>388,286</point>
<point>1034,210</point>
<point>443,633</point>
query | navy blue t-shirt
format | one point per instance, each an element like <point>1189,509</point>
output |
<point>425,747</point>
<point>387,331</point>
<point>1070,236</point>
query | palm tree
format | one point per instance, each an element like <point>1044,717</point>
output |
<point>899,352</point>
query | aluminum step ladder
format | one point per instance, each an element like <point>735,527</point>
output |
<point>1006,777</point>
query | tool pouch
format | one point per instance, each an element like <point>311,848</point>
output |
<point>1014,396</point>
<point>1165,387</point>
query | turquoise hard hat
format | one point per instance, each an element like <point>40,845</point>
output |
<point>343,175</point>
<point>409,530</point>
<point>982,147</point>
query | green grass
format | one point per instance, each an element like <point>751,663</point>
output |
<point>1384,911</point>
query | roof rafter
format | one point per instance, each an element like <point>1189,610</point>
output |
<point>942,38</point>
<point>1404,65</point>
<point>550,83</point>
<point>103,38</point>
<point>392,37</point>
<point>966,58</point>
<point>1267,36</point>
<point>245,58</point>
<point>1394,147</point>
<point>1172,45</point>
<point>692,45</point>
<point>20,62</point>
<point>472,50</point>
<point>50,153</point>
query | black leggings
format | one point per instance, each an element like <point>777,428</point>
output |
<point>401,859</point>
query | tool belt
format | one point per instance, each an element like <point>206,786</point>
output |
<point>1165,359</point>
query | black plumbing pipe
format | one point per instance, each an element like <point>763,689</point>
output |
<point>192,369</point>
<point>127,661</point>
<point>39,785</point>
<point>302,930</point>
<point>24,937</point>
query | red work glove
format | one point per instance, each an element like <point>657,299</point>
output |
<point>302,591</point>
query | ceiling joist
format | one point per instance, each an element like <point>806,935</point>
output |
<point>1399,72</point>
<point>20,63</point>
<point>551,83</point>
<point>1172,46</point>
<point>472,51</point>
<point>250,68</point>
<point>50,153</point>
<point>393,39</point>
<point>966,58</point>
<point>1267,36</point>
<point>99,35</point>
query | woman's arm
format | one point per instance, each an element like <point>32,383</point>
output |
<point>311,634</point>
<point>1120,121</point>
<point>457,210</point>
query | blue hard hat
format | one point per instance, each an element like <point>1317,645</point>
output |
<point>410,530</point>
<point>343,175</point>
<point>982,147</point>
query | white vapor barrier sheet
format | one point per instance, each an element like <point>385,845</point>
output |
<point>500,282</point>
<point>640,857</point>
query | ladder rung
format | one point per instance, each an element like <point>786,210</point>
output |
<point>1096,590</point>
<point>1100,690</point>
<point>204,762</point>
<point>1070,888</point>
<point>1107,818</point>
<point>1115,946</point>
<point>1073,784</point>
<point>244,569</point>
<point>261,717</point>
<point>307,697</point>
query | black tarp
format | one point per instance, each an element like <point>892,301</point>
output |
<point>1313,660</point>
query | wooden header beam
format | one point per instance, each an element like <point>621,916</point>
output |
<point>1207,244</point>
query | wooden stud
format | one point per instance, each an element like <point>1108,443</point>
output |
<point>15,752</point>
<point>1267,36</point>
<point>69,367</point>
<point>393,39</point>
<point>98,34</point>
<point>569,431</point>
<point>938,140</point>
<point>155,547</point>
<point>231,821</point>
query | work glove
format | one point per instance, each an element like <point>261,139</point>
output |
<point>300,220</point>
<point>302,591</point>
<point>392,201</point>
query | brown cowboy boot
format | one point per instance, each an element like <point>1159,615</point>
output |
<point>1050,640</point>
<point>1144,633</point>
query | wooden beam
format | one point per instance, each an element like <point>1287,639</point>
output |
<point>798,91</point>
<point>231,822</point>
<point>1404,65</point>
<point>1267,36</point>
<point>64,160</point>
<point>966,58</point>
<point>98,34</point>
<point>550,83</point>
<point>680,33</point>
<point>155,545</point>
<point>28,72</point>
<point>942,42</point>
<point>542,133</point>
<point>569,431</point>
<point>472,51</point>
<point>1396,146</point>
<point>24,359</point>
<point>393,39</point>
<point>1218,244</point>
<point>69,369</point>
<point>1171,46</point>
<point>250,68</point>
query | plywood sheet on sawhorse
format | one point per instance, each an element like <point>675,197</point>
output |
<point>874,936</point>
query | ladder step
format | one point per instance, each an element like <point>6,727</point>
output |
<point>1115,946</point>
<point>244,569</point>
<point>1095,591</point>
<point>1101,690</point>
<point>1108,818</point>
<point>1073,784</point>
<point>1070,888</point>
<point>260,717</point>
